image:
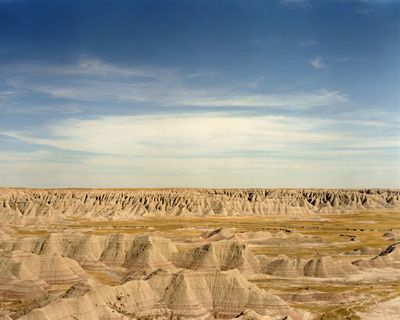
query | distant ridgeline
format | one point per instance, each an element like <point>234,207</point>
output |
<point>35,205</point>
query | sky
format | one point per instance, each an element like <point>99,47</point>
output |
<point>200,93</point>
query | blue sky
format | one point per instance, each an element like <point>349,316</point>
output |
<point>278,93</point>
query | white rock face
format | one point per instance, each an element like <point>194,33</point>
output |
<point>28,276</point>
<point>223,254</point>
<point>301,266</point>
<point>319,267</point>
<point>36,206</point>
<point>187,294</point>
<point>388,257</point>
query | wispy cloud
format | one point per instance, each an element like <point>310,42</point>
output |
<point>368,7</point>
<point>95,81</point>
<point>266,40</point>
<point>94,66</point>
<point>308,43</point>
<point>208,149</point>
<point>254,83</point>
<point>365,11</point>
<point>343,59</point>
<point>291,100</point>
<point>188,134</point>
<point>42,109</point>
<point>43,169</point>
<point>317,63</point>
<point>159,136</point>
<point>296,3</point>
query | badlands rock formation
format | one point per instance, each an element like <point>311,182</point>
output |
<point>389,257</point>
<point>143,253</point>
<point>253,254</point>
<point>223,254</point>
<point>162,295</point>
<point>216,288</point>
<point>320,267</point>
<point>28,206</point>
<point>26,275</point>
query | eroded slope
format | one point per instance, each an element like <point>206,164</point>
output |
<point>33,206</point>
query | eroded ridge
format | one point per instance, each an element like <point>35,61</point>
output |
<point>332,266</point>
<point>34,205</point>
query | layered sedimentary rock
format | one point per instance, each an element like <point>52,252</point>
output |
<point>31,205</point>
<point>142,253</point>
<point>223,254</point>
<point>320,267</point>
<point>274,268</point>
<point>217,234</point>
<point>163,295</point>
<point>149,253</point>
<point>388,257</point>
<point>28,276</point>
<point>252,315</point>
